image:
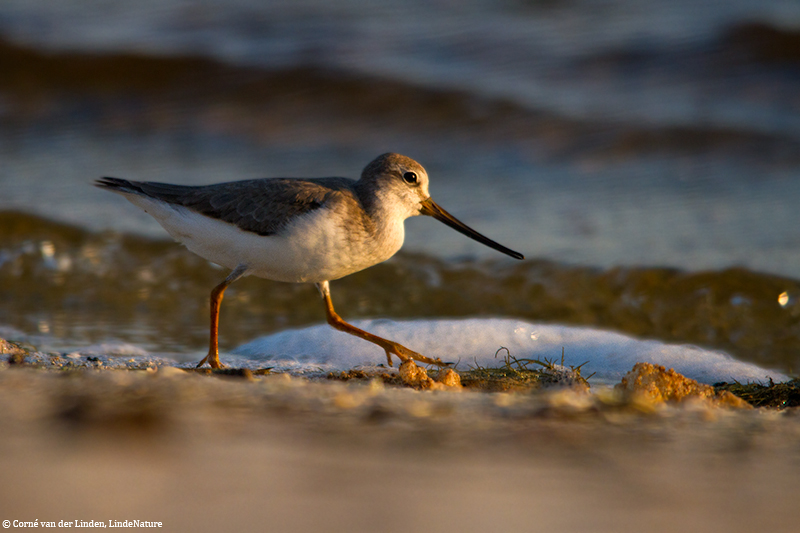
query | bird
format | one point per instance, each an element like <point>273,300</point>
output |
<point>299,230</point>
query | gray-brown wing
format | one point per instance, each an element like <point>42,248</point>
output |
<point>262,206</point>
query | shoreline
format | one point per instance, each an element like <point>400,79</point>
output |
<point>203,452</point>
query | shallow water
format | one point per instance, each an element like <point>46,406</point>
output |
<point>66,287</point>
<point>611,144</point>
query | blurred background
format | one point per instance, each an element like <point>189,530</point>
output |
<point>643,155</point>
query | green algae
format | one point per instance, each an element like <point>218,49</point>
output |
<point>523,374</point>
<point>773,395</point>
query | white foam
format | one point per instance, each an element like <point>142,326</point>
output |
<point>115,349</point>
<point>475,341</point>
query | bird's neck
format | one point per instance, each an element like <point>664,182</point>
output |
<point>385,222</point>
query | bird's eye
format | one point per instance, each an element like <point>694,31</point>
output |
<point>410,177</point>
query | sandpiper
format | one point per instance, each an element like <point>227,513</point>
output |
<point>298,230</point>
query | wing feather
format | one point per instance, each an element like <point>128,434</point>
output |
<point>262,206</point>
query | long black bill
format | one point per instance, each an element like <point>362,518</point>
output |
<point>432,209</point>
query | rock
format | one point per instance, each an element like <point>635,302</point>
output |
<point>16,354</point>
<point>417,377</point>
<point>659,385</point>
<point>449,378</point>
<point>414,376</point>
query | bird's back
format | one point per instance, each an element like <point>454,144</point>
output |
<point>260,206</point>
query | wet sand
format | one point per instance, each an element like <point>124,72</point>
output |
<point>209,453</point>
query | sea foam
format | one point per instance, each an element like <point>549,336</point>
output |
<point>480,342</point>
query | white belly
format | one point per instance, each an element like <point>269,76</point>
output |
<point>315,248</point>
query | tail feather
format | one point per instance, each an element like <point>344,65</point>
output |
<point>120,185</point>
<point>166,192</point>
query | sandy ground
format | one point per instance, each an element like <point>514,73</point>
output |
<point>273,453</point>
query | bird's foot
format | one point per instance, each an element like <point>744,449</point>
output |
<point>404,354</point>
<point>213,361</point>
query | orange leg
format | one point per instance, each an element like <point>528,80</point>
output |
<point>216,299</point>
<point>390,347</point>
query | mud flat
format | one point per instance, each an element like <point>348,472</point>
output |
<point>243,451</point>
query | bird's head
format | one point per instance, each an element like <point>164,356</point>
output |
<point>401,184</point>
